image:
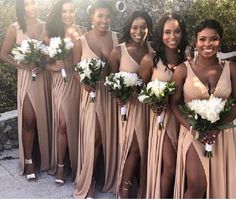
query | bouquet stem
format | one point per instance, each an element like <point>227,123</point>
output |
<point>93,96</point>
<point>123,113</point>
<point>160,120</point>
<point>63,74</point>
<point>208,150</point>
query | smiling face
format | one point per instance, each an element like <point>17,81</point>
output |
<point>171,34</point>
<point>31,8</point>
<point>208,42</point>
<point>68,13</point>
<point>101,19</point>
<point>138,30</point>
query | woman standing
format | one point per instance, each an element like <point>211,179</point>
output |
<point>170,41</point>
<point>65,95</point>
<point>132,133</point>
<point>95,125</point>
<point>32,96</point>
<point>196,175</point>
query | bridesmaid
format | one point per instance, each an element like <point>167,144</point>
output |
<point>95,129</point>
<point>65,95</point>
<point>32,96</point>
<point>132,133</point>
<point>170,41</point>
<point>198,176</point>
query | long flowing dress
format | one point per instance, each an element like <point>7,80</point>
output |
<point>220,170</point>
<point>87,120</point>
<point>65,98</point>
<point>137,123</point>
<point>156,137</point>
<point>38,92</point>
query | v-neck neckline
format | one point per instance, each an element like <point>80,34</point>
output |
<point>206,87</point>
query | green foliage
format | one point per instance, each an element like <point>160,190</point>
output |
<point>223,11</point>
<point>7,73</point>
<point>7,88</point>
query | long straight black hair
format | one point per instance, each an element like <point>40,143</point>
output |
<point>158,44</point>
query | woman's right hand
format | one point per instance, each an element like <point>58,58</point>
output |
<point>59,65</point>
<point>121,103</point>
<point>157,109</point>
<point>89,88</point>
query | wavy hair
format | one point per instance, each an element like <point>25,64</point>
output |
<point>158,44</point>
<point>54,24</point>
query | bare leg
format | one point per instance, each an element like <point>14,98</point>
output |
<point>28,133</point>
<point>130,168</point>
<point>61,146</point>
<point>196,179</point>
<point>98,143</point>
<point>168,168</point>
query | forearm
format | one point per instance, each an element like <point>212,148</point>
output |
<point>9,59</point>
<point>231,116</point>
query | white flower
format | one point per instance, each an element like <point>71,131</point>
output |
<point>142,98</point>
<point>68,43</point>
<point>130,79</point>
<point>208,109</point>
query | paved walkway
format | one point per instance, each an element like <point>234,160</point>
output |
<point>14,186</point>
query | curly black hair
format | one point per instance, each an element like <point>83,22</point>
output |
<point>54,24</point>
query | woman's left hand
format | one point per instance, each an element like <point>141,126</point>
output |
<point>37,70</point>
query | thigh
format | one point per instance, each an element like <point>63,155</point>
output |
<point>29,118</point>
<point>168,153</point>
<point>195,174</point>
<point>62,121</point>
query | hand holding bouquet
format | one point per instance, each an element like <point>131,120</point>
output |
<point>156,94</point>
<point>90,72</point>
<point>30,51</point>
<point>60,49</point>
<point>207,117</point>
<point>123,85</point>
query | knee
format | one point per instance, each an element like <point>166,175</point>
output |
<point>29,124</point>
<point>169,169</point>
<point>62,126</point>
<point>134,152</point>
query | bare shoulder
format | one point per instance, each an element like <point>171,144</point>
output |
<point>181,71</point>
<point>232,66</point>
<point>148,58</point>
<point>116,52</point>
<point>11,31</point>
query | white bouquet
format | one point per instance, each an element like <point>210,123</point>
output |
<point>60,49</point>
<point>30,51</point>
<point>90,72</point>
<point>123,85</point>
<point>207,115</point>
<point>156,94</point>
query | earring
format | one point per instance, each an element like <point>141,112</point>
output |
<point>219,56</point>
<point>195,55</point>
<point>92,26</point>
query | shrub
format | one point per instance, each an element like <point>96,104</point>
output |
<point>223,11</point>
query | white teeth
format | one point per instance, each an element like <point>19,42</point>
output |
<point>172,42</point>
<point>208,50</point>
